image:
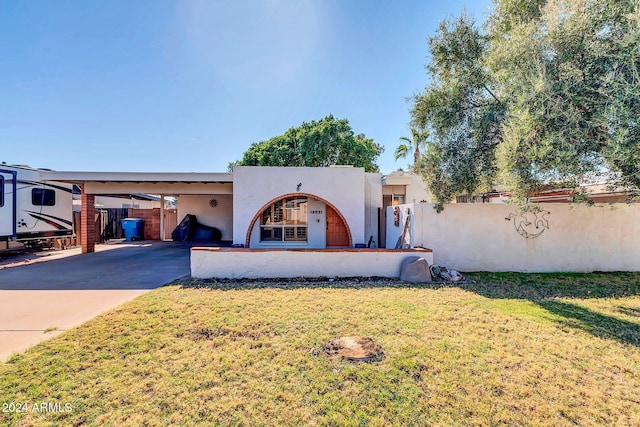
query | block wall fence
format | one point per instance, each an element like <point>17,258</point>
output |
<point>496,237</point>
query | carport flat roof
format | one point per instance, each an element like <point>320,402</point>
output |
<point>133,177</point>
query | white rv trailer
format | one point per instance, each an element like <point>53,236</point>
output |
<point>32,210</point>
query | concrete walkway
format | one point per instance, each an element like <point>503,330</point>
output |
<point>42,297</point>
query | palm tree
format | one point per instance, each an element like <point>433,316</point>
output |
<point>418,142</point>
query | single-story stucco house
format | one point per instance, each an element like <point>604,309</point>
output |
<point>268,207</point>
<point>264,210</point>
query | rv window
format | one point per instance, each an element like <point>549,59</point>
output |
<point>1,191</point>
<point>43,197</point>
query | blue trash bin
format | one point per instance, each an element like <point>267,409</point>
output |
<point>133,228</point>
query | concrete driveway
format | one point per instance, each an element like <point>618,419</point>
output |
<point>40,297</point>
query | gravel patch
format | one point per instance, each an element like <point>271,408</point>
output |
<point>302,282</point>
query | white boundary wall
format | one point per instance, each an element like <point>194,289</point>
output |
<point>226,263</point>
<point>477,237</point>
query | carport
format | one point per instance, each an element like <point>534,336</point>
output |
<point>158,183</point>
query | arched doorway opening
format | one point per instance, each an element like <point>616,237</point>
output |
<point>287,219</point>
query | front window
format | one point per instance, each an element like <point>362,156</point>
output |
<point>285,221</point>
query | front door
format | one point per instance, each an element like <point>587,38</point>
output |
<point>337,235</point>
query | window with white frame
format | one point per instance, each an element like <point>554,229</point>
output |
<point>285,221</point>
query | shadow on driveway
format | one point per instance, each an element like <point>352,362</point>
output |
<point>140,265</point>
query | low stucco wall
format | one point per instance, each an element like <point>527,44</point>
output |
<point>562,237</point>
<point>231,263</point>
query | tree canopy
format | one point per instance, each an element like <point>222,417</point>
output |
<point>543,92</point>
<point>325,142</point>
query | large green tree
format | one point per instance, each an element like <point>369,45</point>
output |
<point>325,142</point>
<point>545,92</point>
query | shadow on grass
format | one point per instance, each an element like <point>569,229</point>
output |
<point>629,311</point>
<point>540,288</point>
<point>594,323</point>
<point>527,286</point>
<point>544,289</point>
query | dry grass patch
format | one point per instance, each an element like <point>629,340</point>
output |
<point>510,349</point>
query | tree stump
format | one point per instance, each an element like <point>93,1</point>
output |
<point>354,349</point>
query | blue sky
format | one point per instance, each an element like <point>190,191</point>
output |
<point>189,85</point>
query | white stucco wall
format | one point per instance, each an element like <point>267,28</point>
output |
<point>220,217</point>
<point>476,237</point>
<point>317,227</point>
<point>417,191</point>
<point>373,202</point>
<point>254,186</point>
<point>226,263</point>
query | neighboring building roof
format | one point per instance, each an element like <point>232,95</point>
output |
<point>397,178</point>
<point>137,196</point>
<point>597,192</point>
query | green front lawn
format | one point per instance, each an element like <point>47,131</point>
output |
<point>511,349</point>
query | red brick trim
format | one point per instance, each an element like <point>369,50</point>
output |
<point>247,242</point>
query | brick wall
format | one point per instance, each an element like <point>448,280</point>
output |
<point>88,223</point>
<point>151,219</point>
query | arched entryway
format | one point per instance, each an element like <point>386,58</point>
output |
<point>337,231</point>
